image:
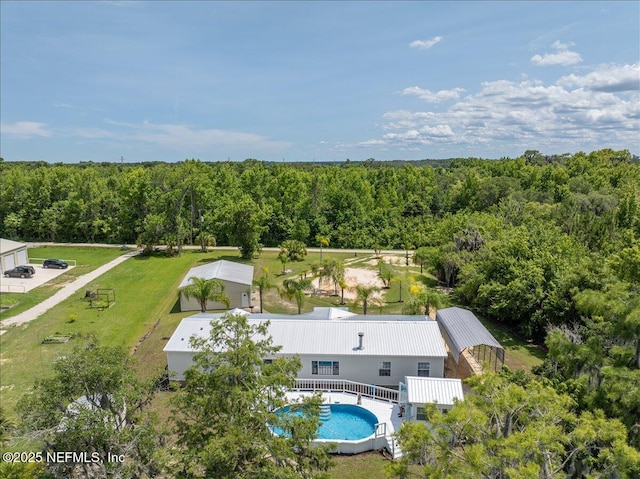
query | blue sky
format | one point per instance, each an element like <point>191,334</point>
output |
<point>323,81</point>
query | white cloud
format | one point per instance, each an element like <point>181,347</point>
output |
<point>510,114</point>
<point>607,78</point>
<point>425,44</point>
<point>563,56</point>
<point>433,97</point>
<point>24,130</point>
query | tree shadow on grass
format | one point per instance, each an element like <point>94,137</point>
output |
<point>428,281</point>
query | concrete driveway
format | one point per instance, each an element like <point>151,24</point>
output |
<point>22,285</point>
<point>64,292</point>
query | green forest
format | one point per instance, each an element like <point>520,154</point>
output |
<point>547,246</point>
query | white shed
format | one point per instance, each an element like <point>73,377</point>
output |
<point>12,254</point>
<point>416,392</point>
<point>236,277</point>
<point>371,352</point>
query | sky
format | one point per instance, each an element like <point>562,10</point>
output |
<point>134,81</point>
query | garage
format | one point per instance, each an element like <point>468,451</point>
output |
<point>12,254</point>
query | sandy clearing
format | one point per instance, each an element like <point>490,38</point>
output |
<point>353,277</point>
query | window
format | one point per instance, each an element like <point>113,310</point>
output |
<point>420,414</point>
<point>423,369</point>
<point>385,368</point>
<point>268,361</point>
<point>325,368</point>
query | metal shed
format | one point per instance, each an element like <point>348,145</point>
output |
<point>461,330</point>
<point>236,277</point>
<point>12,254</point>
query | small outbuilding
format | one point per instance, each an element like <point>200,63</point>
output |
<point>12,254</point>
<point>417,392</point>
<point>236,277</point>
<point>462,330</point>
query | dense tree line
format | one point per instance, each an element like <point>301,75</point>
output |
<point>515,236</point>
<point>547,245</point>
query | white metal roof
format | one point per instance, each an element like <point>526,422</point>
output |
<point>332,337</point>
<point>223,270</point>
<point>441,391</point>
<point>464,330</point>
<point>9,245</point>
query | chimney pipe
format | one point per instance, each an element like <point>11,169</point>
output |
<point>360,336</point>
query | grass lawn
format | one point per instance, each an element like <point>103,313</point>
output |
<point>369,465</point>
<point>87,259</point>
<point>146,312</point>
<point>519,354</point>
<point>141,300</point>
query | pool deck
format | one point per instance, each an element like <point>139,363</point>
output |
<point>386,412</point>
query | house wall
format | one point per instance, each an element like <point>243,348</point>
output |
<point>11,259</point>
<point>178,363</point>
<point>365,369</point>
<point>411,410</point>
<point>239,294</point>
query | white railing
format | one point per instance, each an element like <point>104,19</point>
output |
<point>12,288</point>
<point>345,386</point>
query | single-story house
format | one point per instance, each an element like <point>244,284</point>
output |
<point>237,279</point>
<point>416,392</point>
<point>379,353</point>
<point>12,254</point>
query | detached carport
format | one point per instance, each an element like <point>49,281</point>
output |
<point>463,331</point>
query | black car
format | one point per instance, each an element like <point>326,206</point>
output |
<point>54,263</point>
<point>30,268</point>
<point>19,272</point>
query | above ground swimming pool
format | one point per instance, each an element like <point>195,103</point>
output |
<point>340,422</point>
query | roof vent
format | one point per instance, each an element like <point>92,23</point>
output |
<point>360,340</point>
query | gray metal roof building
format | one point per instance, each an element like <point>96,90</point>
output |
<point>442,391</point>
<point>461,330</point>
<point>222,270</point>
<point>340,337</point>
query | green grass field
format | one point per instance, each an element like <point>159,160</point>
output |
<point>87,259</point>
<point>146,307</point>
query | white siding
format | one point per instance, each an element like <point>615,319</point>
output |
<point>365,369</point>
<point>9,262</point>
<point>235,291</point>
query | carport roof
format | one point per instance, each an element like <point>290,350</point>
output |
<point>9,245</point>
<point>461,330</point>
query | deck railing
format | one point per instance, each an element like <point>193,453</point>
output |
<point>345,386</point>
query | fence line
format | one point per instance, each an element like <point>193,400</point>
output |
<point>71,262</point>
<point>345,386</point>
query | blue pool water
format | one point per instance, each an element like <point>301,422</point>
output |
<point>346,422</point>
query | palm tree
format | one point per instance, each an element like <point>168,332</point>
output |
<point>295,289</point>
<point>263,283</point>
<point>363,295</point>
<point>284,259</point>
<point>422,300</point>
<point>323,240</point>
<point>343,286</point>
<point>332,269</point>
<point>204,290</point>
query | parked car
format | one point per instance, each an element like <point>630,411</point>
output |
<point>30,268</point>
<point>19,272</point>
<point>54,263</point>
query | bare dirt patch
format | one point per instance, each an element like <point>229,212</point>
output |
<point>353,277</point>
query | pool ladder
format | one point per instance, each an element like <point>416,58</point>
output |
<point>325,412</point>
